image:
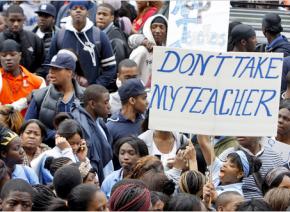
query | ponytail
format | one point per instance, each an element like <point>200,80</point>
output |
<point>13,118</point>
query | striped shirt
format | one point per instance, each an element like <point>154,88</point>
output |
<point>269,159</point>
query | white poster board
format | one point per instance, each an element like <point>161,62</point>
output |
<point>198,24</point>
<point>229,94</point>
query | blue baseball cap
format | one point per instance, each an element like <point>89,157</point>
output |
<point>86,3</point>
<point>63,60</point>
<point>131,88</point>
<point>46,9</point>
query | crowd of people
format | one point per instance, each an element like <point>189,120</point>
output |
<point>74,89</point>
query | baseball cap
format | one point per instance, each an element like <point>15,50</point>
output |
<point>242,31</point>
<point>63,59</point>
<point>47,9</point>
<point>10,45</point>
<point>131,88</point>
<point>86,3</point>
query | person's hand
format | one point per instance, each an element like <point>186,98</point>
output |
<point>209,194</point>
<point>148,44</point>
<point>178,162</point>
<point>82,81</point>
<point>82,151</point>
<point>61,142</point>
<point>189,152</point>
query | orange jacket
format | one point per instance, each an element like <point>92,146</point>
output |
<point>14,88</point>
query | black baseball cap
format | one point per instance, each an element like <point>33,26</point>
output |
<point>46,9</point>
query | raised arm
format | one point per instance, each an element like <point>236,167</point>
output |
<point>206,148</point>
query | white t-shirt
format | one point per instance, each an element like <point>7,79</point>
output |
<point>164,157</point>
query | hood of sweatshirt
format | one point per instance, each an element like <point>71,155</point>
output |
<point>69,25</point>
<point>147,27</point>
<point>87,44</point>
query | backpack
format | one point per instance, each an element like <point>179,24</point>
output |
<point>96,36</point>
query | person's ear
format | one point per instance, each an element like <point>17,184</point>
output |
<point>92,104</point>
<point>243,42</point>
<point>132,100</point>
<point>240,175</point>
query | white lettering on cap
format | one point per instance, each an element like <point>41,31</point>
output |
<point>43,7</point>
<point>54,58</point>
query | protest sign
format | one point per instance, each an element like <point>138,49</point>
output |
<point>198,24</point>
<point>232,93</point>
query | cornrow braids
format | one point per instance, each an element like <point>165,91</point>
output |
<point>53,164</point>
<point>130,197</point>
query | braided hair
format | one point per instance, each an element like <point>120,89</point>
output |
<point>42,197</point>
<point>53,164</point>
<point>130,197</point>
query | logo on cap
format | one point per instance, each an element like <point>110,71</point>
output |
<point>43,7</point>
<point>53,59</point>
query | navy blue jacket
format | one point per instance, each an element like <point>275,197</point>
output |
<point>120,127</point>
<point>99,147</point>
<point>280,44</point>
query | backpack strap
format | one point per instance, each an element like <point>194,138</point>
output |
<point>59,37</point>
<point>97,40</point>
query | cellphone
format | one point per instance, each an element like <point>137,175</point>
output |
<point>81,148</point>
<point>158,156</point>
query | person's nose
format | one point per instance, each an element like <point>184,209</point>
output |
<point>280,120</point>
<point>16,24</point>
<point>8,57</point>
<point>158,30</point>
<point>109,107</point>
<point>126,156</point>
<point>31,135</point>
<point>21,151</point>
<point>101,17</point>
